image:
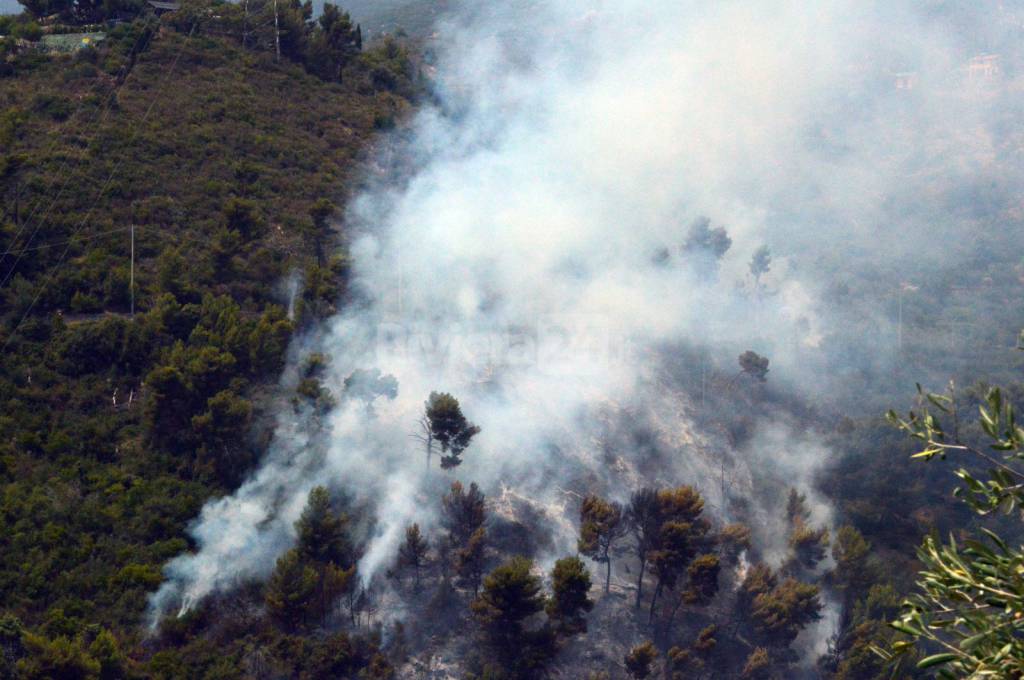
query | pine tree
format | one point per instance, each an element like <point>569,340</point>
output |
<point>510,595</point>
<point>679,533</point>
<point>413,552</point>
<point>702,580</point>
<point>444,423</point>
<point>754,365</point>
<point>291,589</point>
<point>601,526</point>
<point>644,523</point>
<point>570,585</point>
<point>850,552</point>
<point>322,533</point>
<point>470,559</point>
<point>758,665</point>
<point>809,544</point>
<point>781,613</point>
<point>367,385</point>
<point>760,264</point>
<point>977,579</point>
<point>463,512</point>
<point>323,541</point>
<point>639,660</point>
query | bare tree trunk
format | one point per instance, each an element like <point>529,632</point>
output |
<point>640,581</point>
<point>277,35</point>
<point>654,601</point>
<point>323,596</point>
<point>672,616</point>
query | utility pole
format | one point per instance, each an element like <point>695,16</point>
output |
<point>904,287</point>
<point>703,385</point>
<point>277,34</point>
<point>131,283</point>
<point>245,24</point>
<point>899,323</point>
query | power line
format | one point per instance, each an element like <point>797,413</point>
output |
<point>80,239</point>
<point>131,280</point>
<point>64,164</point>
<point>103,189</point>
<point>56,138</point>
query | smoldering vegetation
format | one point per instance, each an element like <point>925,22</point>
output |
<point>613,216</point>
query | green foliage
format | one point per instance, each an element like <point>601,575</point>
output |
<point>601,525</point>
<point>782,612</point>
<point>639,660</point>
<point>969,608</point>
<point>702,580</point>
<point>463,512</point>
<point>242,216</point>
<point>669,531</point>
<point>62,657</point>
<point>866,631</point>
<point>268,342</point>
<point>511,593</point>
<point>82,11</point>
<point>570,601</point>
<point>291,589</point>
<point>704,239</point>
<point>115,429</point>
<point>644,523</point>
<point>413,552</point>
<point>851,551</point>
<point>322,533</point>
<point>106,651</point>
<point>20,27</point>
<point>754,365</point>
<point>221,431</point>
<point>760,263</point>
<point>777,610</point>
<point>734,539</point>
<point>334,43</point>
<point>809,544</point>
<point>758,665</point>
<point>445,424</point>
<point>316,394</point>
<point>367,385</point>
<point>469,559</point>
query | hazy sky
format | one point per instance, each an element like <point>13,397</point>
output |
<point>9,7</point>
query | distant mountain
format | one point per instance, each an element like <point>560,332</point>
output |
<point>418,18</point>
<point>415,17</point>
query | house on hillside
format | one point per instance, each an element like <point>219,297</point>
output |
<point>982,68</point>
<point>68,43</point>
<point>906,80</point>
<point>163,6</point>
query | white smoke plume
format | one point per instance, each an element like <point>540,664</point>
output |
<point>520,266</point>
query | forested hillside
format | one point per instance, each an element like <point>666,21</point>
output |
<point>129,397</point>
<point>510,341</point>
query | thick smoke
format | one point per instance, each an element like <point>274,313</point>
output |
<point>532,265</point>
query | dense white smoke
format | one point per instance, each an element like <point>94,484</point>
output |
<point>522,266</point>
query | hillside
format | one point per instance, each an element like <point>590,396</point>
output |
<point>449,340</point>
<point>415,17</point>
<point>223,160</point>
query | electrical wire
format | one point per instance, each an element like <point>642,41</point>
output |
<point>102,190</point>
